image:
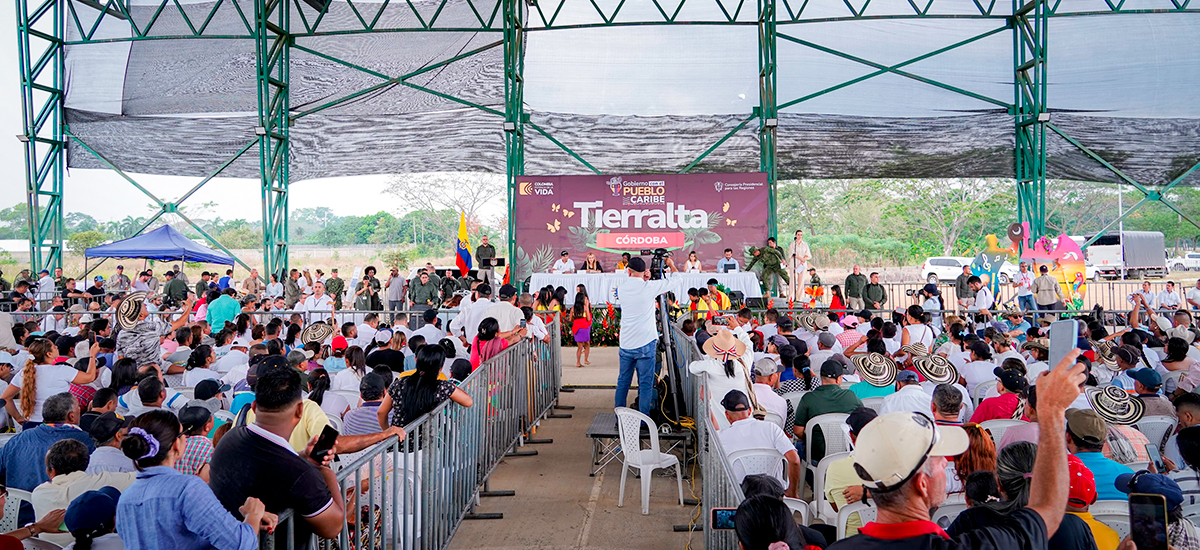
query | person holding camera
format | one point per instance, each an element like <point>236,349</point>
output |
<point>638,296</point>
<point>930,300</point>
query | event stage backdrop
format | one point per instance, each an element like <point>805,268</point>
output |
<point>609,215</point>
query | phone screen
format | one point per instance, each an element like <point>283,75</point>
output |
<point>1148,521</point>
<point>523,323</point>
<point>1064,336</point>
<point>1155,457</point>
<point>324,443</point>
<point>722,518</point>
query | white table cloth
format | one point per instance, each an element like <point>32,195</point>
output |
<point>601,286</point>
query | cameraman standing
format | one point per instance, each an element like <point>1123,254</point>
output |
<point>638,296</point>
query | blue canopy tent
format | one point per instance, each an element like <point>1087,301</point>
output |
<point>163,245</point>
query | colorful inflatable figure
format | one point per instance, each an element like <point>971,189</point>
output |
<point>1062,255</point>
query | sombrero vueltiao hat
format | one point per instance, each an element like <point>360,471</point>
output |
<point>316,332</point>
<point>876,369</point>
<point>129,311</point>
<point>806,320</point>
<point>1104,354</point>
<point>936,369</point>
<point>1037,343</point>
<point>1115,405</point>
<point>916,349</point>
<point>724,346</point>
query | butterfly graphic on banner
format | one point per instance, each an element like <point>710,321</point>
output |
<point>554,227</point>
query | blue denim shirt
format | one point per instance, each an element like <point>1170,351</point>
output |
<point>167,510</point>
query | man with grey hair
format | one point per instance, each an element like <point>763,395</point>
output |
<point>23,458</point>
<point>901,458</point>
<point>946,405</point>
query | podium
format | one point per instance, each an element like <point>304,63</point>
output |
<point>487,270</point>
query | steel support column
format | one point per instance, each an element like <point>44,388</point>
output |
<point>514,115</point>
<point>40,32</point>
<point>1030,115</point>
<point>768,110</point>
<point>273,57</point>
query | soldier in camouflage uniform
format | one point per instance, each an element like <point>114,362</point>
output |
<point>772,267</point>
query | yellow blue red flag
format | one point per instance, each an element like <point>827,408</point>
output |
<point>464,245</point>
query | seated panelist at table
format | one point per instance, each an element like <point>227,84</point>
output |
<point>564,264</point>
<point>727,264</point>
<point>591,264</point>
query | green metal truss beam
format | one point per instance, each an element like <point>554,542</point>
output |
<point>40,60</point>
<point>1030,24</point>
<point>768,106</point>
<point>514,116</point>
<point>273,62</point>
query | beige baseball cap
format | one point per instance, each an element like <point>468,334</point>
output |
<point>894,446</point>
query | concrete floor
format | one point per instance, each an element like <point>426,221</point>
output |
<point>558,505</point>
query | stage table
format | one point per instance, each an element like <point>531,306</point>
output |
<point>601,286</point>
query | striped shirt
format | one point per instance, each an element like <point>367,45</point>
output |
<point>362,421</point>
<point>1189,482</point>
<point>196,454</point>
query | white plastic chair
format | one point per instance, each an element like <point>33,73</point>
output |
<point>4,440</point>
<point>352,397</point>
<point>758,460</point>
<point>226,416</point>
<point>186,391</point>
<point>1113,513</point>
<point>982,390</point>
<point>334,421</point>
<point>798,506</point>
<point>865,513</point>
<point>1157,428</point>
<point>835,437</point>
<point>39,544</point>
<point>775,419</point>
<point>997,427</point>
<point>949,510</point>
<point>12,508</point>
<point>875,403</point>
<point>629,424</point>
<point>1173,375</point>
<point>1139,466</point>
<point>821,508</point>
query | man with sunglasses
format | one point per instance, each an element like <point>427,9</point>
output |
<point>901,458</point>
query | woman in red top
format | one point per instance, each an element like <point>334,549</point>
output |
<point>581,328</point>
<point>1010,404</point>
<point>837,304</point>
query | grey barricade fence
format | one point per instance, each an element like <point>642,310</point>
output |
<point>413,494</point>
<point>718,487</point>
<point>685,353</point>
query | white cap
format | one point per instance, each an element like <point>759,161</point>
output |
<point>890,449</point>
<point>240,342</point>
<point>6,357</point>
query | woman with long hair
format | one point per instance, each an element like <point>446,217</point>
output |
<point>1014,472</point>
<point>275,288</point>
<point>915,329</point>
<point>319,385</point>
<point>356,369</point>
<point>124,375</point>
<point>763,522</point>
<point>581,329</point>
<point>692,265</point>
<point>408,398</point>
<point>980,455</point>
<point>199,366</point>
<point>39,379</point>
<point>242,325</point>
<point>560,298</point>
<point>197,518</point>
<point>837,303</point>
<point>543,304</point>
<point>488,342</point>
<point>293,335</point>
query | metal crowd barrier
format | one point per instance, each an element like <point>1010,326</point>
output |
<point>413,494</point>
<point>718,488</point>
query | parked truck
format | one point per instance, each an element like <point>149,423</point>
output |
<point>1129,254</point>
<point>1189,261</point>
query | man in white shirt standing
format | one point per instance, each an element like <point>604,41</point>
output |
<point>638,297</point>
<point>319,305</point>
<point>909,396</point>
<point>506,311</point>
<point>1024,285</point>
<point>45,290</point>
<point>564,264</point>
<point>983,297</point>
<point>467,321</point>
<point>1169,299</point>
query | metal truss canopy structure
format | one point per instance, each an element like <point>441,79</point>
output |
<point>279,28</point>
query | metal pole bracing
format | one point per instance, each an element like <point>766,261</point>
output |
<point>514,116</point>
<point>768,120</point>
<point>40,31</point>
<point>273,59</point>
<point>1030,113</point>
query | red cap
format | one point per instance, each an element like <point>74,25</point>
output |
<point>339,342</point>
<point>1083,483</point>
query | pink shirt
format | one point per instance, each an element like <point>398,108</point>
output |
<point>490,349</point>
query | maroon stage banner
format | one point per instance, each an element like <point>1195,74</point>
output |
<point>608,215</point>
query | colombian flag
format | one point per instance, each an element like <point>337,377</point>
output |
<point>464,245</point>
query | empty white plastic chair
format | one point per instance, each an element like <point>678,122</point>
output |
<point>334,421</point>
<point>836,440</point>
<point>758,460</point>
<point>1157,428</point>
<point>948,511</point>
<point>997,427</point>
<point>225,416</point>
<point>629,425</point>
<point>793,399</point>
<point>777,420</point>
<point>821,508</point>
<point>875,403</point>
<point>865,513</point>
<point>798,506</point>
<point>352,397</point>
<point>1113,513</point>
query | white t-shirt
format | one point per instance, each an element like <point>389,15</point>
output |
<point>111,541</point>
<point>910,398</point>
<point>983,300</point>
<point>345,380</point>
<point>231,359</point>
<point>977,372</point>
<point>508,315</point>
<point>51,380</point>
<point>771,401</point>
<point>432,335</point>
<point>638,299</point>
<point>196,376</point>
<point>1010,354</point>
<point>563,266</point>
<point>768,330</point>
<point>751,433</point>
<point>1024,282</point>
<point>920,333</point>
<point>691,267</point>
<point>366,335</point>
<point>1194,295</point>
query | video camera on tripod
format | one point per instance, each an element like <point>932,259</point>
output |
<point>657,265</point>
